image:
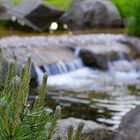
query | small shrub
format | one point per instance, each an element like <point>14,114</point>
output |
<point>134,23</point>
<point>130,10</point>
<point>17,120</point>
<point>62,4</point>
<point>124,7</point>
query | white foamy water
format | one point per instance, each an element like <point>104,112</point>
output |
<point>121,73</point>
<point>104,91</point>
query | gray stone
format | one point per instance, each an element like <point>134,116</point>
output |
<point>129,128</point>
<point>42,21</point>
<point>8,4</point>
<point>5,7</point>
<point>25,7</point>
<point>32,13</point>
<point>93,60</point>
<point>133,43</point>
<point>91,129</point>
<point>100,60</point>
<point>2,9</point>
<point>87,14</point>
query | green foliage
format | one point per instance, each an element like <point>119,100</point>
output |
<point>130,10</point>
<point>124,7</point>
<point>133,26</point>
<point>16,1</point>
<point>17,120</point>
<point>77,134</point>
<point>62,4</point>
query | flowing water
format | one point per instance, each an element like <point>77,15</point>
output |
<point>84,92</point>
<point>92,94</point>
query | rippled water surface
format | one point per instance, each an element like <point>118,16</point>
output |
<point>96,95</point>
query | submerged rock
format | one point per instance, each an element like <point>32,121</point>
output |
<point>91,129</point>
<point>87,14</point>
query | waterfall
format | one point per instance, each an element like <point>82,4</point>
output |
<point>62,67</point>
<point>121,55</point>
<point>58,68</point>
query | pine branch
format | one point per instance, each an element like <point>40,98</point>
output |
<point>70,133</point>
<point>78,132</point>
<point>42,96</point>
<point>1,60</point>
<point>25,83</point>
<point>54,121</point>
<point>9,77</point>
<point>17,120</point>
<point>15,104</point>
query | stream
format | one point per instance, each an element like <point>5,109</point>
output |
<point>83,92</point>
<point>95,95</point>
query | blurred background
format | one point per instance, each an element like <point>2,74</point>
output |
<point>89,48</point>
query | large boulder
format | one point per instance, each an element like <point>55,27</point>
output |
<point>41,21</point>
<point>29,12</point>
<point>91,129</point>
<point>129,128</point>
<point>87,14</point>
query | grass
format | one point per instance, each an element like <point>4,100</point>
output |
<point>62,4</point>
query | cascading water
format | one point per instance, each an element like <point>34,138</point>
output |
<point>62,67</point>
<point>87,92</point>
<point>100,91</point>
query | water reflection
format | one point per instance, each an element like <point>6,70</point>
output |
<point>105,108</point>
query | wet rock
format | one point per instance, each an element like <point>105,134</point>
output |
<point>100,48</point>
<point>93,60</point>
<point>133,43</point>
<point>100,60</point>
<point>91,129</point>
<point>87,14</point>
<point>130,126</point>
